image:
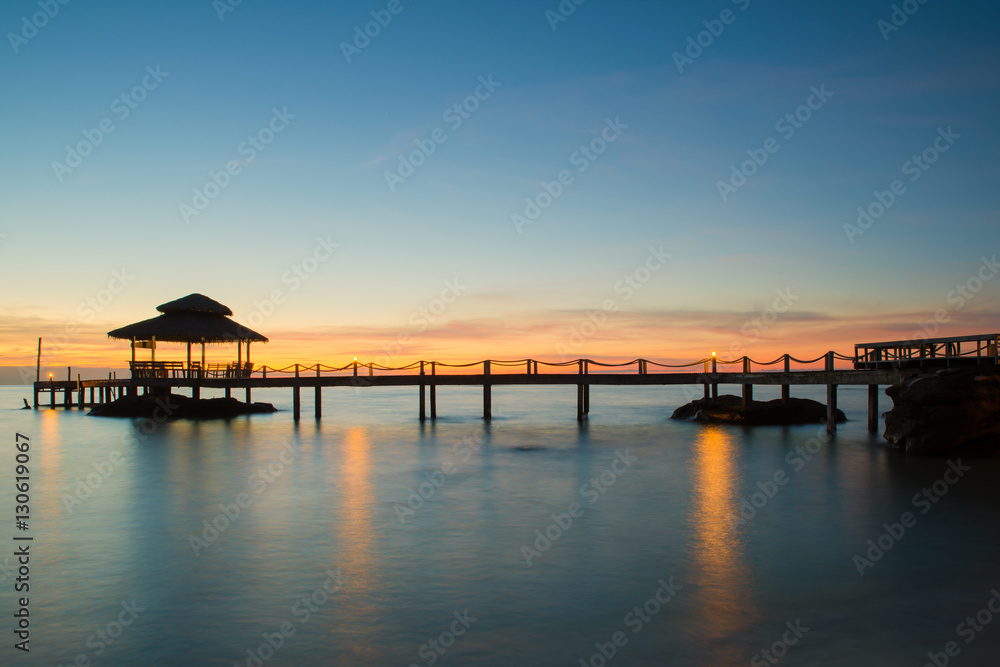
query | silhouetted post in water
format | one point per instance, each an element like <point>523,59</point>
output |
<point>434,405</point>
<point>747,388</point>
<point>715,386</point>
<point>786,388</point>
<point>487,397</point>
<point>705,374</point>
<point>423,410</point>
<point>873,407</point>
<point>296,398</point>
<point>582,393</point>
<point>831,398</point>
<point>38,370</point>
<point>318,399</point>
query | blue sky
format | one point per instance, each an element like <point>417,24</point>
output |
<point>656,185</point>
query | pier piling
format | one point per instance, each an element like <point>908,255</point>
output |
<point>487,394</point>
<point>873,407</point>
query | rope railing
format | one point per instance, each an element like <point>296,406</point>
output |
<point>532,365</point>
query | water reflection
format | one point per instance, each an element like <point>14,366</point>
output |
<point>356,525</point>
<point>720,574</point>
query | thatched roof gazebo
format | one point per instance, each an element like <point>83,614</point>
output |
<point>192,319</point>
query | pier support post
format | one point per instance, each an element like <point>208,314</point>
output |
<point>423,390</point>
<point>319,402</point>
<point>873,407</point>
<point>229,392</point>
<point>79,398</point>
<point>747,388</point>
<point>786,388</point>
<point>487,397</point>
<point>434,407</point>
<point>715,385</point>
<point>831,398</point>
<point>248,395</point>
<point>296,397</point>
<point>582,393</point>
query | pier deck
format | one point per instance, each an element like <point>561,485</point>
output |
<point>873,364</point>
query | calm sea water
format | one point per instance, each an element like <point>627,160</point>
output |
<point>370,539</point>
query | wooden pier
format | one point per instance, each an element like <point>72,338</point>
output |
<point>930,353</point>
<point>871,367</point>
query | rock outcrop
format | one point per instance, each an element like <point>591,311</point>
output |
<point>176,406</point>
<point>728,409</point>
<point>950,411</point>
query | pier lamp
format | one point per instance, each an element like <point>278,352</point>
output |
<point>50,377</point>
<point>355,366</point>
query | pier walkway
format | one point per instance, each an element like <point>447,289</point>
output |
<point>872,365</point>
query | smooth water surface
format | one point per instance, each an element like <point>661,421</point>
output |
<point>368,538</point>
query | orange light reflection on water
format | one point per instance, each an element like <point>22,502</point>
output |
<point>720,571</point>
<point>355,529</point>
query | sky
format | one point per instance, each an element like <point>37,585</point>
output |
<point>403,180</point>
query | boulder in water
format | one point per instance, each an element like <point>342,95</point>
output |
<point>955,409</point>
<point>176,406</point>
<point>729,409</point>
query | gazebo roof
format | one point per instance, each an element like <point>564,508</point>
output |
<point>192,319</point>
<point>195,303</point>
